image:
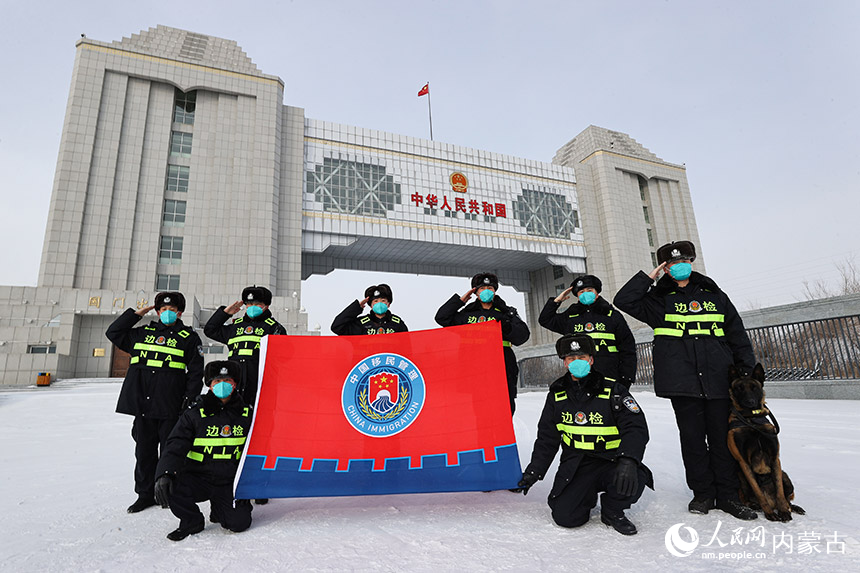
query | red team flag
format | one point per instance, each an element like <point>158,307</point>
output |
<point>412,412</point>
<point>425,90</point>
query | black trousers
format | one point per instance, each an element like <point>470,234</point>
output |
<point>512,373</point>
<point>149,435</point>
<point>704,428</point>
<point>191,488</point>
<point>594,475</point>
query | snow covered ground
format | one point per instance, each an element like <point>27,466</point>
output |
<point>66,479</point>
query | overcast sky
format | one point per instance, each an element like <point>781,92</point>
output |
<point>760,101</point>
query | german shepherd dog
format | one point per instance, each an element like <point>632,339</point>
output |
<point>754,444</point>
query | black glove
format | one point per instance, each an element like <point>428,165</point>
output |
<point>626,476</point>
<point>529,479</point>
<point>163,489</point>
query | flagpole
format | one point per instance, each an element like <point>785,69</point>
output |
<point>429,111</point>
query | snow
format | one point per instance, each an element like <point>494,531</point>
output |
<point>66,479</point>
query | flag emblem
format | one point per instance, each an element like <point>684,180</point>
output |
<point>383,394</point>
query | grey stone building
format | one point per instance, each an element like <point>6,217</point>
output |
<point>181,168</point>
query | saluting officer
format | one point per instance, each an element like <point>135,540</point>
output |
<point>602,433</point>
<point>378,320</point>
<point>489,306</point>
<point>615,347</point>
<point>243,335</point>
<point>698,334</point>
<point>165,371</point>
<point>202,455</point>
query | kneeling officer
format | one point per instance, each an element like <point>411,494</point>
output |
<point>202,455</point>
<point>602,432</point>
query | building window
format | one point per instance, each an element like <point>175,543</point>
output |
<point>180,143</point>
<point>654,259</point>
<point>645,212</point>
<point>183,109</point>
<point>170,251</point>
<point>352,187</point>
<point>166,282</point>
<point>560,289</point>
<point>177,178</point>
<point>557,271</point>
<point>214,349</point>
<point>174,213</point>
<point>41,349</point>
<point>643,186</point>
<point>546,214</point>
<point>650,238</point>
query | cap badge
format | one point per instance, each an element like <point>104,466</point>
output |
<point>223,371</point>
<point>574,345</point>
<point>376,293</point>
<point>578,283</point>
<point>486,280</point>
<point>250,296</point>
<point>676,253</point>
<point>167,299</point>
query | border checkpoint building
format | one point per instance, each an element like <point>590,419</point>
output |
<point>166,129</point>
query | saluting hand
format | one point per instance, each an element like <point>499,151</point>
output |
<point>144,310</point>
<point>233,308</point>
<point>656,272</point>
<point>364,302</point>
<point>469,294</point>
<point>564,295</point>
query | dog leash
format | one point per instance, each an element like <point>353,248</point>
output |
<point>767,413</point>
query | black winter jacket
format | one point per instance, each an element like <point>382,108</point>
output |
<point>616,347</point>
<point>348,322</point>
<point>592,403</point>
<point>208,439</point>
<point>154,387</point>
<point>242,338</point>
<point>514,330</point>
<point>698,334</point>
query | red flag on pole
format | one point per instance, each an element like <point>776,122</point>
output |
<point>425,90</point>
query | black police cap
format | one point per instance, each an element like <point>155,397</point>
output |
<point>485,279</point>
<point>254,294</point>
<point>676,250</point>
<point>574,344</point>
<point>170,298</point>
<point>586,281</point>
<point>379,291</point>
<point>221,369</point>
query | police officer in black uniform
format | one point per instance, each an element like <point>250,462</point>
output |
<point>243,335</point>
<point>489,306</point>
<point>698,334</point>
<point>165,371</point>
<point>378,320</point>
<point>602,432</point>
<point>615,346</point>
<point>202,455</point>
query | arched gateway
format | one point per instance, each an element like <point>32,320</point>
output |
<point>181,168</point>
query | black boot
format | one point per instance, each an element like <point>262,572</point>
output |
<point>142,503</point>
<point>736,509</point>
<point>618,522</point>
<point>181,533</point>
<point>701,504</point>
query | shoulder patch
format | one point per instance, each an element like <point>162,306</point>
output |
<point>184,333</point>
<point>364,319</point>
<point>559,396</point>
<point>631,405</point>
<point>270,321</point>
<point>238,320</point>
<point>395,318</point>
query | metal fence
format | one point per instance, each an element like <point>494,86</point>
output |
<point>827,349</point>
